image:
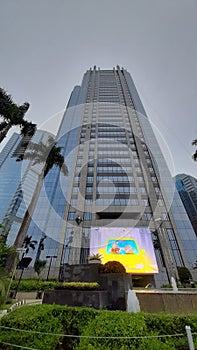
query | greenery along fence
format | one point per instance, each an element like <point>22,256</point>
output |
<point>42,327</point>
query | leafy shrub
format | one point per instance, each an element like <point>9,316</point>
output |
<point>39,265</point>
<point>88,322</point>
<point>53,319</point>
<point>112,267</point>
<point>78,285</point>
<point>120,324</point>
<point>184,274</point>
<point>28,285</point>
<point>32,318</point>
<point>96,256</point>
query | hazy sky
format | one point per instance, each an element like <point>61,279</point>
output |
<point>47,45</point>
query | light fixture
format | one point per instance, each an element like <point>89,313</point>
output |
<point>78,220</point>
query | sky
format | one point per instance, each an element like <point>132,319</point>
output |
<point>47,46</point>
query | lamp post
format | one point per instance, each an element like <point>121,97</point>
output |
<point>23,264</point>
<point>78,219</point>
<point>51,257</point>
<point>21,252</point>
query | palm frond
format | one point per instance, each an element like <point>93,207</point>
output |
<point>27,128</point>
<point>194,142</point>
<point>13,114</point>
<point>3,125</point>
<point>195,156</point>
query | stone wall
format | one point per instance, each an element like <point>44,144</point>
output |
<point>170,302</point>
<point>112,294</point>
<point>93,298</point>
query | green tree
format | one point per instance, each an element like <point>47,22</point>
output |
<point>48,154</point>
<point>39,266</point>
<point>194,143</point>
<point>5,252</point>
<point>12,114</point>
<point>28,243</point>
<point>184,274</point>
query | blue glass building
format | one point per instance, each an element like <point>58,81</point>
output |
<point>18,181</point>
<point>117,178</point>
<point>10,173</point>
<point>187,188</point>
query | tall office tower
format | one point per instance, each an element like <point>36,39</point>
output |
<point>118,198</point>
<point>18,181</point>
<point>10,173</point>
<point>187,187</point>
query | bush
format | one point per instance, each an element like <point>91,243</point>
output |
<point>32,318</point>
<point>53,319</point>
<point>184,274</point>
<point>78,285</point>
<point>112,267</point>
<point>120,324</point>
<point>88,322</point>
<point>29,285</point>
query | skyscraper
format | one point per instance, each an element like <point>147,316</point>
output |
<point>10,172</point>
<point>187,188</point>
<point>119,191</point>
<point>18,181</point>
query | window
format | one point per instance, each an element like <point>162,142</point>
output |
<point>71,216</point>
<point>147,216</point>
<point>87,216</point>
<point>165,217</point>
<point>89,189</point>
<point>145,202</point>
<point>73,202</point>
<point>160,202</point>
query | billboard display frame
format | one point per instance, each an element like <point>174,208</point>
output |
<point>131,246</point>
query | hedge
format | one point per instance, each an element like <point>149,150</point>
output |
<point>29,285</point>
<point>57,319</point>
<point>53,319</point>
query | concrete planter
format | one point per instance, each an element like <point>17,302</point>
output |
<point>95,261</point>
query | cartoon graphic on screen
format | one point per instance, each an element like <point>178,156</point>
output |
<point>135,250</point>
<point>121,247</point>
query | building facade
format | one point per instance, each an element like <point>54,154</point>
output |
<point>187,188</point>
<point>10,173</point>
<point>118,185</point>
<point>18,181</point>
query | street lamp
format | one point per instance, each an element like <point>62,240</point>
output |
<point>78,220</point>
<point>21,252</point>
<point>23,264</point>
<point>51,257</point>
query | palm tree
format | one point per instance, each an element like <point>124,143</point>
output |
<point>28,243</point>
<point>194,143</point>
<point>39,265</point>
<point>12,115</point>
<point>48,154</point>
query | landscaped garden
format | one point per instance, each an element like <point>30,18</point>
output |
<point>42,327</point>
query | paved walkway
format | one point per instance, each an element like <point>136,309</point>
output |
<point>18,304</point>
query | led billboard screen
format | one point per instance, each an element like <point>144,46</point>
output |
<point>132,247</point>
